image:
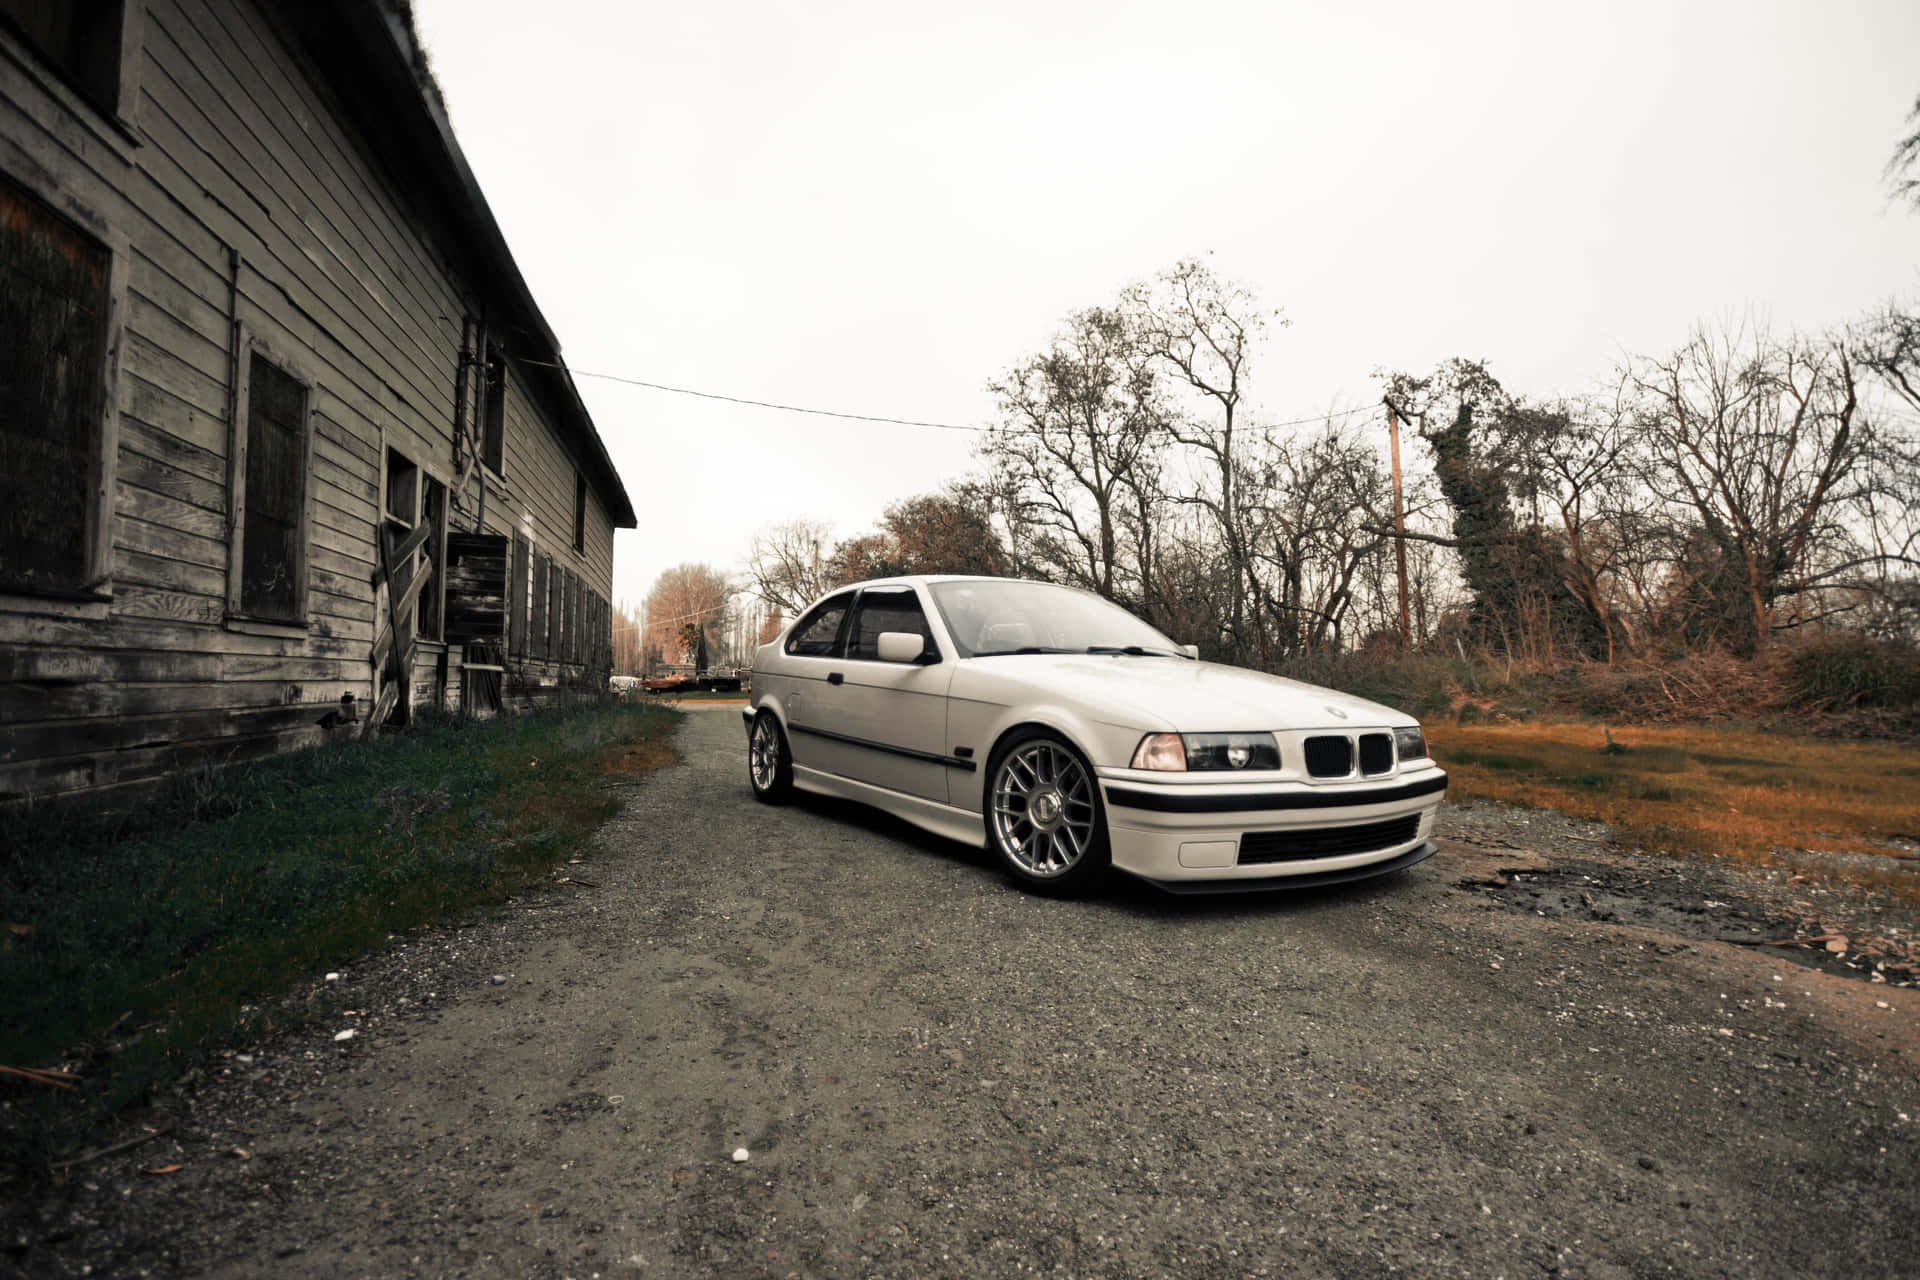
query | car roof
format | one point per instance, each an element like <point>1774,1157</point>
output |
<point>926,579</point>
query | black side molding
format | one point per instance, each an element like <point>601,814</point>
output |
<point>1171,801</point>
<point>951,762</point>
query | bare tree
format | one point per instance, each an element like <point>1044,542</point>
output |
<point>1573,467</point>
<point>1763,443</point>
<point>1903,166</point>
<point>785,567</point>
<point>1074,447</point>
<point>1204,330</point>
<point>689,604</point>
<point>1313,512</point>
<point>1889,346</point>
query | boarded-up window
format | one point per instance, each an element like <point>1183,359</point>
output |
<point>414,496</point>
<point>579,512</point>
<point>273,552</point>
<point>493,413</point>
<point>476,578</point>
<point>81,38</point>
<point>517,597</point>
<point>537,632</point>
<point>53,335</point>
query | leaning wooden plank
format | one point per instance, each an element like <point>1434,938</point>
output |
<point>389,699</point>
<point>397,558</point>
<point>408,597</point>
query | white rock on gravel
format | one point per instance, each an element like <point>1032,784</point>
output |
<point>739,1155</point>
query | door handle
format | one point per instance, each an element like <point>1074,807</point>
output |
<point>835,678</point>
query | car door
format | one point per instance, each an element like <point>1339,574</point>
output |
<point>811,655</point>
<point>892,716</point>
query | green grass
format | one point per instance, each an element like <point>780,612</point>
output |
<point>130,944</point>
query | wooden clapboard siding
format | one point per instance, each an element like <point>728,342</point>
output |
<point>253,206</point>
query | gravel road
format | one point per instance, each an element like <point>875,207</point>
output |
<point>933,1074</point>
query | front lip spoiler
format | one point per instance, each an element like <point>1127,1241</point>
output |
<point>1196,800</point>
<point>1311,880</point>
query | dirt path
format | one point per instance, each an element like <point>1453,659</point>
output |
<point>936,1075</point>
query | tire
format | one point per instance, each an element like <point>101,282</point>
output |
<point>769,762</point>
<point>1044,817</point>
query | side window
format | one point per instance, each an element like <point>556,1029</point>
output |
<point>81,38</point>
<point>813,635</point>
<point>537,626</point>
<point>53,312</point>
<point>433,599</point>
<point>579,512</point>
<point>517,592</point>
<point>493,413</point>
<point>271,584</point>
<point>885,611</point>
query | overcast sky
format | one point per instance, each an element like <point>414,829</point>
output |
<point>875,208</point>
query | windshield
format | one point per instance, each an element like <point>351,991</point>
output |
<point>990,616</point>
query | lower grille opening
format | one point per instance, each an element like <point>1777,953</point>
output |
<point>1327,842</point>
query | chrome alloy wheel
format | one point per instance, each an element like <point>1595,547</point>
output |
<point>763,753</point>
<point>1043,810</point>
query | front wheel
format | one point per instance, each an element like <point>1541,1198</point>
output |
<point>769,763</point>
<point>1044,816</point>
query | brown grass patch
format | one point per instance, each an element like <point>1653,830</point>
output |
<point>638,758</point>
<point>1760,798</point>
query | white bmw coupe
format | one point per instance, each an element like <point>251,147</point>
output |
<point>1068,736</point>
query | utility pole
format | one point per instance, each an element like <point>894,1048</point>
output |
<point>1399,525</point>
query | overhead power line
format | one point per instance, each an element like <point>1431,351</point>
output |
<point>863,417</point>
<point>758,404</point>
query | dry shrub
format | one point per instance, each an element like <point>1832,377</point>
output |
<point>1853,672</point>
<point>1848,686</point>
<point>1707,686</point>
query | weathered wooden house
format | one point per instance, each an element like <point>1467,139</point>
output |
<point>280,423</point>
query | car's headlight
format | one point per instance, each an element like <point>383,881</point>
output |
<point>1411,743</point>
<point>1197,752</point>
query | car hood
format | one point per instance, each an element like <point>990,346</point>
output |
<point>1171,693</point>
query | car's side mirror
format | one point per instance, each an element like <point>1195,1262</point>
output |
<point>1191,650</point>
<point>900,646</point>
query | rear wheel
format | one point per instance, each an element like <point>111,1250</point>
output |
<point>769,763</point>
<point>1044,817</point>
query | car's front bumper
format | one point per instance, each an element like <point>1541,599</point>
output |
<point>1190,837</point>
